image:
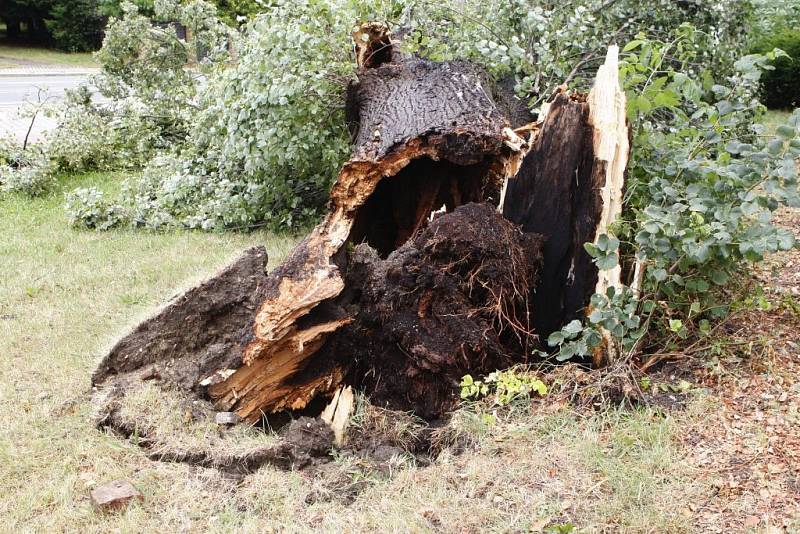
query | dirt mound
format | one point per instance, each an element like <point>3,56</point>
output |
<point>200,331</point>
<point>451,301</point>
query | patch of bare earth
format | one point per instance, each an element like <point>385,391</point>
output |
<point>746,445</point>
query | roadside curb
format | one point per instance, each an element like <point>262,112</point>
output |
<point>13,73</point>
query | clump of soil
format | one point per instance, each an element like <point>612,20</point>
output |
<point>452,300</point>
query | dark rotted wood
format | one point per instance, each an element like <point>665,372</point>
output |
<point>554,194</point>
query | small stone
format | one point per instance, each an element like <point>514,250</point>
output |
<point>227,418</point>
<point>114,495</point>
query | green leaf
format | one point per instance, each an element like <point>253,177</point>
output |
<point>596,316</point>
<point>666,98</point>
<point>606,262</point>
<point>539,387</point>
<point>643,104</point>
<point>591,249</point>
<point>775,147</point>
<point>567,351</point>
<point>573,327</point>
<point>555,339</point>
<point>785,132</point>
<point>660,275</point>
<point>636,43</point>
<point>724,107</point>
<point>719,277</point>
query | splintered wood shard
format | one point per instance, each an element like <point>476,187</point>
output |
<point>607,105</point>
<point>611,142</point>
<point>338,411</point>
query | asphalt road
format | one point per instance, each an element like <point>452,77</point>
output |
<point>16,90</point>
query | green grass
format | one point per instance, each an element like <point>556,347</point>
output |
<point>65,295</point>
<point>11,56</point>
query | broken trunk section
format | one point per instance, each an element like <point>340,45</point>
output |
<point>415,277</point>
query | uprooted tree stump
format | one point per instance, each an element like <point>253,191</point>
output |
<point>453,245</point>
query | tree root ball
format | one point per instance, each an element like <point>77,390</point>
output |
<point>452,300</point>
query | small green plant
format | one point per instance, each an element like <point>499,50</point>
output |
<point>560,528</point>
<point>504,386</point>
<point>88,208</point>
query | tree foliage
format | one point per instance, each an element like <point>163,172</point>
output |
<point>71,25</point>
<point>76,25</point>
<point>544,44</point>
<point>780,87</point>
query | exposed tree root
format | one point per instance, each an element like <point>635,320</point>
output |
<point>451,301</point>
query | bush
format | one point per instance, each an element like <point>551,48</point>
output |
<point>76,25</point>
<point>115,135</point>
<point>703,182</point>
<point>270,134</point>
<point>780,88</point>
<point>34,179</point>
<point>88,208</point>
<point>29,172</point>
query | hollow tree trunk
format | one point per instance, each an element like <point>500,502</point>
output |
<point>414,277</point>
<point>427,135</point>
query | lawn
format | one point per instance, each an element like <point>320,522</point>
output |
<point>65,295</point>
<point>12,56</point>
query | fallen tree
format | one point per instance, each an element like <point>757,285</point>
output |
<point>453,244</point>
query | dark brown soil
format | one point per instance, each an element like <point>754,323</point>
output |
<point>451,301</point>
<point>199,332</point>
